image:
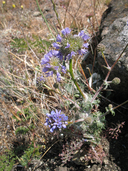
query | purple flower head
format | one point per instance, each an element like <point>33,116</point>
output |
<point>68,46</point>
<point>66,31</point>
<point>47,57</point>
<point>56,120</point>
<point>50,63</point>
<point>50,59</point>
<point>127,22</point>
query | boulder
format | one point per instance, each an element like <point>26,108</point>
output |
<point>114,37</point>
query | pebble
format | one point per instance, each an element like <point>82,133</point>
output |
<point>36,14</point>
<point>106,161</point>
<point>46,9</point>
<point>48,16</point>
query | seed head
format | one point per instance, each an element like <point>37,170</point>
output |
<point>116,81</point>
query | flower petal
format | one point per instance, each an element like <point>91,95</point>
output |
<point>66,31</point>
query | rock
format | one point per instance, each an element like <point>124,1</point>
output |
<point>48,16</point>
<point>3,53</point>
<point>114,37</point>
<point>106,161</point>
<point>46,9</point>
<point>36,14</point>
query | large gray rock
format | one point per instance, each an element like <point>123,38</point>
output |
<point>114,37</point>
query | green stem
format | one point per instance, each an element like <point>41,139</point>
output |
<point>45,19</point>
<point>74,80</point>
<point>54,8</point>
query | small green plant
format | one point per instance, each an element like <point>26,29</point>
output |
<point>21,44</point>
<point>22,130</point>
<point>30,153</point>
<point>7,161</point>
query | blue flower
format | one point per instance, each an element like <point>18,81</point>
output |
<point>69,56</point>
<point>51,64</point>
<point>58,76</point>
<point>41,78</point>
<point>56,120</point>
<point>84,36</point>
<point>85,45</point>
<point>56,45</point>
<point>82,51</point>
<point>45,60</point>
<point>68,45</point>
<point>58,38</point>
<point>63,69</point>
<point>66,31</point>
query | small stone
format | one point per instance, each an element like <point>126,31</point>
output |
<point>106,161</point>
<point>46,9</point>
<point>36,14</point>
<point>48,16</point>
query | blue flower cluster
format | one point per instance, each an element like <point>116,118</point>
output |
<point>65,46</point>
<point>69,45</point>
<point>56,120</point>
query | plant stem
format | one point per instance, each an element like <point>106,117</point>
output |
<point>74,80</point>
<point>98,91</point>
<point>54,8</point>
<point>113,109</point>
<point>45,20</point>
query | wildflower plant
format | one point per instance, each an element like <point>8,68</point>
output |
<point>88,121</point>
<point>67,49</point>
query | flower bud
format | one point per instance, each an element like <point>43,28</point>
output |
<point>100,48</point>
<point>116,81</point>
<point>88,120</point>
<point>110,106</point>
